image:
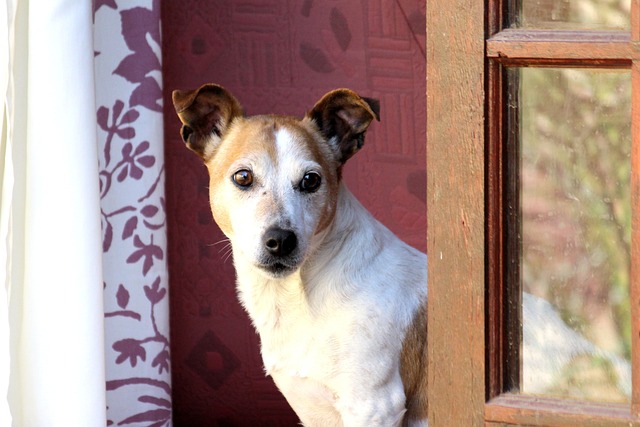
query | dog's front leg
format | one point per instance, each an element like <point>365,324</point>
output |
<point>382,406</point>
<point>312,402</point>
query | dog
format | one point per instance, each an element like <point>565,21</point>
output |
<point>338,300</point>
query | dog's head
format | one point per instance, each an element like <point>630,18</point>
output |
<point>274,180</point>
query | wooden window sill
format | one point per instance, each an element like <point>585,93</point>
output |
<point>518,409</point>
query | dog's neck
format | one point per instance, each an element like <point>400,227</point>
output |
<point>304,292</point>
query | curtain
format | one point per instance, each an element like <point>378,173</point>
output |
<point>83,310</point>
<point>130,139</point>
<point>51,217</point>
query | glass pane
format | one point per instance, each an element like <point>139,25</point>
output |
<point>575,232</point>
<point>572,14</point>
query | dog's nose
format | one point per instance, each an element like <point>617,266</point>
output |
<point>280,242</point>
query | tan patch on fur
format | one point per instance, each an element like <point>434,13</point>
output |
<point>413,367</point>
<point>245,136</point>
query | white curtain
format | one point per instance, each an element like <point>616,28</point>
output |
<point>51,216</point>
<point>73,252</point>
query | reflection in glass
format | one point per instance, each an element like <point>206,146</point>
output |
<point>573,14</point>
<point>575,232</point>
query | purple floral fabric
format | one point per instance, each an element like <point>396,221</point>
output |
<point>129,117</point>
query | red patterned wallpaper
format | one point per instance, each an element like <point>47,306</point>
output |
<point>278,56</point>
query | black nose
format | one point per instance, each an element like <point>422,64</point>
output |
<point>280,242</point>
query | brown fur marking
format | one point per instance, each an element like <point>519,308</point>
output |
<point>413,367</point>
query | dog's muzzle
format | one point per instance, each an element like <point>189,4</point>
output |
<point>280,243</point>
<point>280,249</point>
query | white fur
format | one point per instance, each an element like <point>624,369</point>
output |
<point>332,331</point>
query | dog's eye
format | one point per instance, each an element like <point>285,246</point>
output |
<point>243,178</point>
<point>310,182</point>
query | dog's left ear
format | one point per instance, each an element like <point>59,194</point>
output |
<point>343,117</point>
<point>206,114</point>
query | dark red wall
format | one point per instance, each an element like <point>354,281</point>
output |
<point>278,56</point>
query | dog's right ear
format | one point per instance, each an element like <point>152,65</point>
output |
<point>206,114</point>
<point>343,116</point>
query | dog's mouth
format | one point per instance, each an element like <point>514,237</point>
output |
<point>278,269</point>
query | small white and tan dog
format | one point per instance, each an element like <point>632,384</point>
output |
<point>338,300</point>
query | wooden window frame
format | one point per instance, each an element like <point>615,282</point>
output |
<point>468,49</point>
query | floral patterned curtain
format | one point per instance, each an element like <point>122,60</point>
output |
<point>130,139</point>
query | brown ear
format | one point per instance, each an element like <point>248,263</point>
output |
<point>206,114</point>
<point>343,116</point>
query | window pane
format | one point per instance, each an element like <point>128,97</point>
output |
<point>575,232</point>
<point>572,14</point>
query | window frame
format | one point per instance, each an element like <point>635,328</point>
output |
<point>456,217</point>
<point>468,50</point>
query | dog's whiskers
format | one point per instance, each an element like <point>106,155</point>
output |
<point>226,249</point>
<point>227,255</point>
<point>226,240</point>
